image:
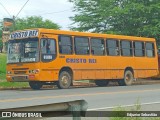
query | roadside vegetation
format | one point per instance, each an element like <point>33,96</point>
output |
<point>126,17</point>
<point>121,111</point>
<point>2,66</point>
<point>3,82</point>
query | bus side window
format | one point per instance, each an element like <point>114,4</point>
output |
<point>139,49</point>
<point>126,48</point>
<point>65,44</point>
<point>112,47</point>
<point>48,46</point>
<point>48,50</point>
<point>52,47</point>
<point>81,45</point>
<point>43,46</point>
<point>97,46</point>
<point>150,52</point>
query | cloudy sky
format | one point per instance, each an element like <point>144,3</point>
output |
<point>58,11</point>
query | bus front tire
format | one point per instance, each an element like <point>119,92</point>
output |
<point>128,79</point>
<point>36,85</point>
<point>65,80</point>
<point>101,83</point>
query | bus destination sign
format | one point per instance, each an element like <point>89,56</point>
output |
<point>24,34</point>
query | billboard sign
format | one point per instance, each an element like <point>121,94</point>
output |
<point>7,22</point>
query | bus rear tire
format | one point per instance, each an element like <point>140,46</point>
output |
<point>36,85</point>
<point>65,80</point>
<point>128,79</point>
<point>101,83</point>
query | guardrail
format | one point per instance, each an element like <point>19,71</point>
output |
<point>75,109</point>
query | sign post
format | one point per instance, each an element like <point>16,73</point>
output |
<point>7,24</point>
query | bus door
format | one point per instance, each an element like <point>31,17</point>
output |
<point>48,55</point>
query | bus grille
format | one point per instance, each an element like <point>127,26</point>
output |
<point>20,72</point>
<point>20,68</point>
<point>19,78</point>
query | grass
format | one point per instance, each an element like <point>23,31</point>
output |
<point>121,111</point>
<point>3,60</point>
<point>2,77</point>
<point>3,82</point>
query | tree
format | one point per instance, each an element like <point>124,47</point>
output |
<point>34,22</point>
<point>1,43</point>
<point>1,46</point>
<point>128,17</point>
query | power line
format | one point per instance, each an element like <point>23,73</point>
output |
<point>39,14</point>
<point>5,9</point>
<point>22,8</point>
<point>56,12</point>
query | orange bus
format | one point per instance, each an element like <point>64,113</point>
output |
<point>47,56</point>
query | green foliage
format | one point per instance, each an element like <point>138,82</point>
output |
<point>12,85</point>
<point>122,111</point>
<point>34,22</point>
<point>3,60</point>
<point>128,17</point>
<point>0,34</point>
<point>2,66</point>
<point>1,43</point>
<point>1,26</point>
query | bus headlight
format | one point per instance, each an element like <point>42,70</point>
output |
<point>9,72</point>
<point>34,71</point>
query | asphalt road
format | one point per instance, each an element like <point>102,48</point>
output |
<point>97,97</point>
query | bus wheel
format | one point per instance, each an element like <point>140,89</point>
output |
<point>128,79</point>
<point>65,80</point>
<point>101,83</point>
<point>35,85</point>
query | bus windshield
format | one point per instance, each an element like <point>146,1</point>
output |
<point>25,50</point>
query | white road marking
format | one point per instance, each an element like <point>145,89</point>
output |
<point>103,108</point>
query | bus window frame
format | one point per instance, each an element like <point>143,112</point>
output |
<point>88,45</point>
<point>52,54</point>
<point>143,48</point>
<point>152,50</point>
<point>131,48</point>
<point>118,41</point>
<point>104,54</point>
<point>71,38</point>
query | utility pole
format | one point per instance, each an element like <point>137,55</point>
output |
<point>7,24</point>
<point>14,23</point>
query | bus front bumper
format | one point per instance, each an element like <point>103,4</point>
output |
<point>22,78</point>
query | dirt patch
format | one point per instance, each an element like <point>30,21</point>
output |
<point>137,82</point>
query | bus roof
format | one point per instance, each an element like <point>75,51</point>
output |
<point>87,34</point>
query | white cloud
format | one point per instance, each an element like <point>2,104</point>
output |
<point>48,9</point>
